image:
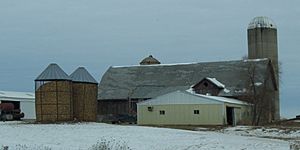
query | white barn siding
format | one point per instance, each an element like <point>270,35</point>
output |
<point>26,100</point>
<point>28,108</point>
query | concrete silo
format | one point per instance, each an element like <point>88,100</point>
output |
<point>85,90</point>
<point>262,43</point>
<point>53,95</point>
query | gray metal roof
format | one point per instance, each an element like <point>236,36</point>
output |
<point>184,97</point>
<point>262,22</point>
<point>82,75</point>
<point>53,72</point>
<point>148,81</point>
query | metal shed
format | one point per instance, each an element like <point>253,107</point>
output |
<point>188,108</point>
<point>21,100</point>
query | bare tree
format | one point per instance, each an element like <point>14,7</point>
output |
<point>257,95</point>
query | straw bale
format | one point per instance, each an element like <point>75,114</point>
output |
<point>49,118</point>
<point>38,97</point>
<point>64,86</point>
<point>64,98</point>
<point>54,102</point>
<point>53,86</point>
<point>85,101</point>
<point>64,110</point>
<point>64,118</point>
<point>49,110</point>
<point>49,86</point>
<point>38,109</point>
<point>48,98</point>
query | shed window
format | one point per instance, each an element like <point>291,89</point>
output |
<point>162,112</point>
<point>196,112</point>
<point>150,108</point>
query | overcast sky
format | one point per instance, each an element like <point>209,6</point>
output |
<point>97,34</point>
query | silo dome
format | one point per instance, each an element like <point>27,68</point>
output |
<point>261,22</point>
<point>149,61</point>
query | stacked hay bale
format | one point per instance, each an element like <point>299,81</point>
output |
<point>84,95</point>
<point>53,95</point>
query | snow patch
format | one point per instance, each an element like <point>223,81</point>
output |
<point>240,90</point>
<point>226,90</point>
<point>255,60</point>
<point>216,82</point>
<point>258,84</point>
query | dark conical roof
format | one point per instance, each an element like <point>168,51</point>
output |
<point>149,61</point>
<point>53,72</point>
<point>82,75</point>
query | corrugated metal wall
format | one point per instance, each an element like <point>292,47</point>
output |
<point>182,115</point>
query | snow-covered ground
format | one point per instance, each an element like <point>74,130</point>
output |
<point>18,135</point>
<point>267,132</point>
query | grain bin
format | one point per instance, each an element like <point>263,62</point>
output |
<point>85,90</point>
<point>53,95</point>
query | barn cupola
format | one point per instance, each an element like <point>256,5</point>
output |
<point>208,86</point>
<point>149,61</point>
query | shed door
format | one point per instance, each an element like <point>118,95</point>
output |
<point>230,116</point>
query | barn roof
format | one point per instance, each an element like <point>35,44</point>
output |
<point>53,72</point>
<point>16,96</point>
<point>148,81</point>
<point>82,75</point>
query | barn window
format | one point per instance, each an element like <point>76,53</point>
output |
<point>162,112</point>
<point>205,84</point>
<point>196,112</point>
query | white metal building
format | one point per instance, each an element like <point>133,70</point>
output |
<point>22,100</point>
<point>186,108</point>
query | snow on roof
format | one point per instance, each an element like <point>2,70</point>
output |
<point>82,75</point>
<point>174,64</point>
<point>189,97</point>
<point>258,83</point>
<point>255,60</point>
<point>219,98</point>
<point>16,96</point>
<point>224,99</point>
<point>262,22</point>
<point>216,82</point>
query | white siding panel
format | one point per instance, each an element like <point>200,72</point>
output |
<point>28,108</point>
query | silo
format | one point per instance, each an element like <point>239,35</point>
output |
<point>262,43</point>
<point>262,40</point>
<point>53,95</point>
<point>85,91</point>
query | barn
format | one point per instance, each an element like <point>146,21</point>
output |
<point>255,78</point>
<point>189,108</point>
<point>122,87</point>
<point>21,100</point>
